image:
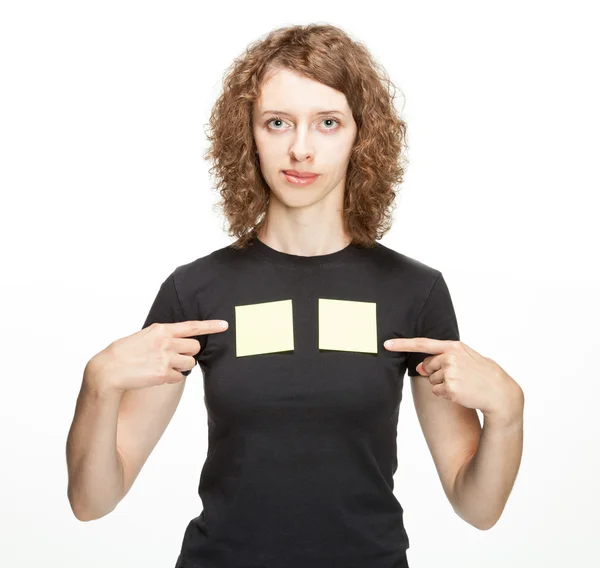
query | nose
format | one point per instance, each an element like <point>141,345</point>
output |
<point>301,148</point>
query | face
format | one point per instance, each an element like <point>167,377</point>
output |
<point>292,131</point>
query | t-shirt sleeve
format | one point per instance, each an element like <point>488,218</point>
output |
<point>437,320</point>
<point>167,307</point>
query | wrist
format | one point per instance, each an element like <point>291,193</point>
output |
<point>96,378</point>
<point>507,417</point>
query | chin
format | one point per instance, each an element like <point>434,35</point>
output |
<point>297,197</point>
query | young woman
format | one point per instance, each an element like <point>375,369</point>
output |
<point>301,392</point>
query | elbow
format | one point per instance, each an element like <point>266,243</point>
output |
<point>485,526</point>
<point>80,513</point>
<point>80,516</point>
<point>83,513</point>
<point>75,509</point>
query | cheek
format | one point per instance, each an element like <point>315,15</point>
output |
<point>266,146</point>
<point>261,138</point>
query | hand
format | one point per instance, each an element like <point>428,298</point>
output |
<point>462,375</point>
<point>152,356</point>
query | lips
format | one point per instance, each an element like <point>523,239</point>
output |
<point>301,175</point>
<point>304,181</point>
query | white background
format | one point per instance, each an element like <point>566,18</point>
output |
<point>105,192</point>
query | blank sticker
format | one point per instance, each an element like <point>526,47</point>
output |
<point>346,325</point>
<point>264,328</point>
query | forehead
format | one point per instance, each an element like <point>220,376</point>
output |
<point>289,91</point>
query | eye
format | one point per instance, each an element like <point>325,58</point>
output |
<point>330,119</point>
<point>279,119</point>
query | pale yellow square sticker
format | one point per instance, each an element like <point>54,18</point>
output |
<point>346,325</point>
<point>264,328</point>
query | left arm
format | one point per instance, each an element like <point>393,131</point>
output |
<point>477,467</point>
<point>484,482</point>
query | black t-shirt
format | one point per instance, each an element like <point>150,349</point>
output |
<point>302,443</point>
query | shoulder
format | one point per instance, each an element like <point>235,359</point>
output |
<point>205,270</point>
<point>407,267</point>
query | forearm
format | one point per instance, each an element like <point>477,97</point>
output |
<point>95,471</point>
<point>485,481</point>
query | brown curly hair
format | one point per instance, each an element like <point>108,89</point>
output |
<point>377,162</point>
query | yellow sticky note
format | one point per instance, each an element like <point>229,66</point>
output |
<point>346,325</point>
<point>264,328</point>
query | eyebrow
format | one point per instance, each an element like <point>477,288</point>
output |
<point>288,114</point>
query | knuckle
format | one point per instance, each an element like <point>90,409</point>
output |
<point>164,343</point>
<point>165,367</point>
<point>451,358</point>
<point>160,328</point>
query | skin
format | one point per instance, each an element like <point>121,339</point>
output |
<point>304,221</point>
<point>477,467</point>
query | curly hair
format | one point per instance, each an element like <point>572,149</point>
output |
<point>377,162</point>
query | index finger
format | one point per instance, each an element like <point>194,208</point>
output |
<point>420,345</point>
<point>196,327</point>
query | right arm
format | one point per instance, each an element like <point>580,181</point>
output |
<point>112,436</point>
<point>128,395</point>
